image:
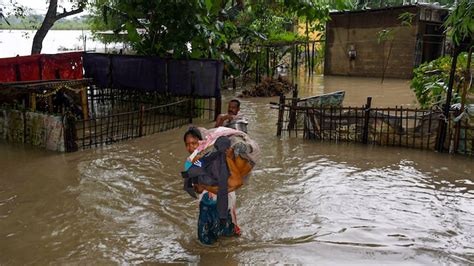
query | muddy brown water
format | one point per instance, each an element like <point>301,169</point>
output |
<point>307,202</point>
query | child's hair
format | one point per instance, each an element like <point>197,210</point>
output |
<point>193,132</point>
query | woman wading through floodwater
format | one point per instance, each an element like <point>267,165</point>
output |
<point>220,161</point>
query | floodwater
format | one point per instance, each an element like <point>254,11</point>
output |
<point>19,42</point>
<point>307,202</point>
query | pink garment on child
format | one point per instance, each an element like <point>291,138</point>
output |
<point>211,135</point>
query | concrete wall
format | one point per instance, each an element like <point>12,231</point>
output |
<point>360,30</point>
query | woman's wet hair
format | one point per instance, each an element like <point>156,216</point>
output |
<point>193,132</point>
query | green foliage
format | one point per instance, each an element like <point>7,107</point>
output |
<point>384,35</point>
<point>275,22</point>
<point>181,29</point>
<point>406,18</point>
<point>460,23</point>
<point>430,80</point>
<point>258,22</point>
<point>285,37</point>
<point>208,28</point>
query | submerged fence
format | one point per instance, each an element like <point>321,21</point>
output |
<point>117,114</point>
<point>106,101</point>
<point>106,129</point>
<point>404,127</point>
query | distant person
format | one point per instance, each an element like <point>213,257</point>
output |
<point>232,119</point>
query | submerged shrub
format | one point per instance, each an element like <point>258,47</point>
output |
<point>430,80</point>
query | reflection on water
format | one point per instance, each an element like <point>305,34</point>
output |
<point>306,202</point>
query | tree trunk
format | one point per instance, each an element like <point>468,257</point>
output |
<point>51,17</point>
<point>447,105</point>
<point>47,24</point>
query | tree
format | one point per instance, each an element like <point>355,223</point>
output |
<point>55,12</point>
<point>460,29</point>
<point>208,28</point>
<point>181,29</point>
<point>52,15</point>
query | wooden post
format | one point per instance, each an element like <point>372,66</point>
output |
<point>281,111</point>
<point>294,102</point>
<point>70,134</point>
<point>365,134</point>
<point>85,110</point>
<point>33,101</point>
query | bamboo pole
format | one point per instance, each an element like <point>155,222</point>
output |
<point>33,101</point>
<point>85,111</point>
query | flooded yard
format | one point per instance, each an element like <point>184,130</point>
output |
<point>306,202</point>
